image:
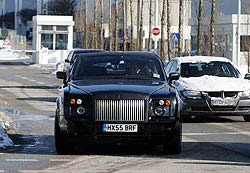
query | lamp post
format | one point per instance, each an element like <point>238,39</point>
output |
<point>238,34</point>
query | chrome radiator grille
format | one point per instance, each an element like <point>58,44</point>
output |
<point>120,110</point>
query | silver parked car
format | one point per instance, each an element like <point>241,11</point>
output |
<point>210,86</point>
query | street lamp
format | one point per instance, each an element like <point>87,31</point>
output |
<point>238,34</point>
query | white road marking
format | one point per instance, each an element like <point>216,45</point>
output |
<point>24,78</point>
<point>42,83</point>
<point>60,160</point>
<point>31,80</point>
<point>21,160</point>
<point>1,170</point>
<point>3,68</point>
<point>222,133</point>
<point>18,76</point>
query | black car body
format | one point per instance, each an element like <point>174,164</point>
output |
<point>105,100</point>
<point>210,86</point>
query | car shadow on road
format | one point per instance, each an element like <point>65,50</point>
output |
<point>33,87</point>
<point>214,119</point>
<point>42,99</point>
<point>193,153</point>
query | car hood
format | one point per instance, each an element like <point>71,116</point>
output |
<point>97,87</point>
<point>213,83</point>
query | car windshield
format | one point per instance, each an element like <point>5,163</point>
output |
<point>214,68</point>
<point>114,66</point>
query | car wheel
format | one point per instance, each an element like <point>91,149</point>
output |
<point>175,145</point>
<point>247,118</point>
<point>186,118</point>
<point>63,146</point>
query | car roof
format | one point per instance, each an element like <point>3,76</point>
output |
<point>88,50</point>
<point>195,59</point>
<point>142,54</point>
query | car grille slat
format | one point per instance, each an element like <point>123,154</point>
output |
<point>119,110</point>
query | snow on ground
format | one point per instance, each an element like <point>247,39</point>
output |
<point>5,141</point>
<point>8,54</point>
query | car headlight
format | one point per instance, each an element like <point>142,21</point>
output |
<point>246,93</point>
<point>159,110</point>
<point>81,110</point>
<point>191,94</point>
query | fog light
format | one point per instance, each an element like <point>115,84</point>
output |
<point>81,110</point>
<point>79,101</point>
<point>159,111</point>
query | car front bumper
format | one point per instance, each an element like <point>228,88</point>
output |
<point>200,107</point>
<point>147,132</point>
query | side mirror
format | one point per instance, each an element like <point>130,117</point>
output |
<point>247,76</point>
<point>67,60</point>
<point>173,76</point>
<point>61,75</point>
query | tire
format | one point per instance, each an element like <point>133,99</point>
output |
<point>246,118</point>
<point>63,146</point>
<point>175,145</point>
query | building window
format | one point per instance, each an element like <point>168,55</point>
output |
<point>62,28</point>
<point>47,27</point>
<point>61,41</point>
<point>245,43</point>
<point>47,41</point>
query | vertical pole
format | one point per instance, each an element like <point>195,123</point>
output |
<point>238,34</point>
<point>156,22</point>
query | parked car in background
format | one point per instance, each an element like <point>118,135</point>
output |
<point>65,65</point>
<point>118,97</point>
<point>210,86</point>
<point>73,54</point>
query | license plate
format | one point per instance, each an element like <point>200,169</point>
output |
<point>120,128</point>
<point>222,102</point>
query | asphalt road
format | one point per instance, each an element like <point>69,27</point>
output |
<point>27,97</point>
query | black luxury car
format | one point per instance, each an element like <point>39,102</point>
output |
<point>118,97</point>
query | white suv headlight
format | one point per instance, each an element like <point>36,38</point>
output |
<point>191,94</point>
<point>246,93</point>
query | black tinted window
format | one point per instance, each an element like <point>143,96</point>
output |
<point>215,68</point>
<point>130,67</point>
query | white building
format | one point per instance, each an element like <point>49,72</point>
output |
<point>226,31</point>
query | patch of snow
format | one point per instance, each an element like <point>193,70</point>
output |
<point>5,141</point>
<point>213,83</point>
<point>6,54</point>
<point>205,59</point>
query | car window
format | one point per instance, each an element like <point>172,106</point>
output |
<point>174,67</point>
<point>70,55</point>
<point>214,68</point>
<point>167,69</point>
<point>124,67</point>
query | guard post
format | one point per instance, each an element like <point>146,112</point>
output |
<point>52,38</point>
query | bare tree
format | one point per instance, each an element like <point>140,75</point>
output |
<point>102,30</point>
<point>138,23</point>
<point>180,44</point>
<point>124,25</point>
<point>162,47</point>
<point>168,30</point>
<point>141,27</point>
<point>94,40</point>
<point>116,25</point>
<point>86,36</point>
<point>132,26</point>
<point>212,34</point>
<point>150,26</point>
<point>110,27</point>
<point>199,27</point>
